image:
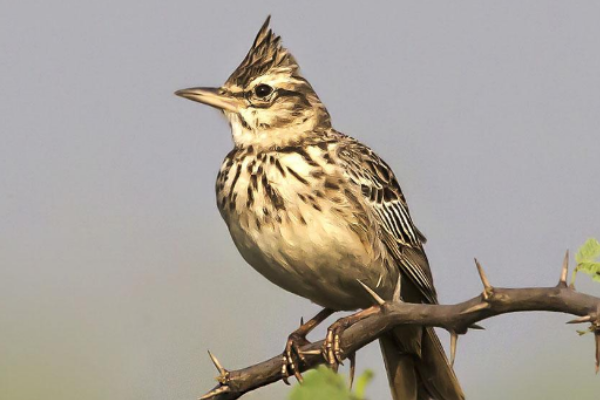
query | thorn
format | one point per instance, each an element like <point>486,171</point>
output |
<point>216,392</point>
<point>484,279</point>
<point>374,295</point>
<point>352,358</point>
<point>565,271</point>
<point>218,365</point>
<point>301,321</point>
<point>477,327</point>
<point>476,307</point>
<point>453,342</point>
<point>397,290</point>
<point>597,334</point>
<point>580,320</point>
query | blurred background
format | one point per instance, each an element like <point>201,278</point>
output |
<point>116,271</point>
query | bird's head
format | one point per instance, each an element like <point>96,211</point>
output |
<point>266,100</point>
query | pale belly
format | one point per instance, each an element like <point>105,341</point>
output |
<point>321,259</point>
<point>298,221</point>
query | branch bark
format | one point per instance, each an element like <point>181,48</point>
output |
<point>457,319</point>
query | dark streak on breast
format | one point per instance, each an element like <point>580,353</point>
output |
<point>327,158</point>
<point>331,185</point>
<point>250,197</point>
<point>295,174</point>
<point>238,171</point>
<point>302,152</point>
<point>280,167</point>
<point>317,173</point>
<point>273,196</point>
<point>254,181</point>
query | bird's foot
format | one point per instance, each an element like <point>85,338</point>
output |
<point>332,347</point>
<point>293,354</point>
<point>332,351</point>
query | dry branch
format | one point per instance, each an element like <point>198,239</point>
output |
<point>457,319</point>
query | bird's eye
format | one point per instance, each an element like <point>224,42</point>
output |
<point>263,90</point>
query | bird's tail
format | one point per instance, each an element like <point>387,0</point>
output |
<point>417,366</point>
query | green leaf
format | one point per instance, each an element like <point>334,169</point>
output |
<point>586,263</point>
<point>589,267</point>
<point>362,382</point>
<point>586,259</point>
<point>588,252</point>
<point>324,384</point>
<point>321,384</point>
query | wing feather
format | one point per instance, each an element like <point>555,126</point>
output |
<point>383,196</point>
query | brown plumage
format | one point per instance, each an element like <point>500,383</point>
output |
<point>315,211</point>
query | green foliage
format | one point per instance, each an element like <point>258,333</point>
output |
<point>362,382</point>
<point>324,384</point>
<point>587,259</point>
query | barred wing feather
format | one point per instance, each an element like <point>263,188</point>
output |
<point>384,197</point>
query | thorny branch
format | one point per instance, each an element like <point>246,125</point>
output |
<point>456,319</point>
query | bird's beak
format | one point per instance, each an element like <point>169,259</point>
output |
<point>210,96</point>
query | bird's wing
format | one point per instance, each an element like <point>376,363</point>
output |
<point>384,197</point>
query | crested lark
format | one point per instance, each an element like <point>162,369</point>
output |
<point>317,212</point>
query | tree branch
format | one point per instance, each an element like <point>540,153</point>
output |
<point>457,319</point>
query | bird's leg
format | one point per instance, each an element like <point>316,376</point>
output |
<point>296,340</point>
<point>332,351</point>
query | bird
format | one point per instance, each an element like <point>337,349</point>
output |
<point>321,215</point>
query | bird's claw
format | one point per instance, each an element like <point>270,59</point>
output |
<point>291,355</point>
<point>332,350</point>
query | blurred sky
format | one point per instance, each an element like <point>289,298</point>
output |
<point>116,271</point>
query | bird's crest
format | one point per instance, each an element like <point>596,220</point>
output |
<point>266,54</point>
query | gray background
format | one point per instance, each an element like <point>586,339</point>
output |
<point>116,273</point>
